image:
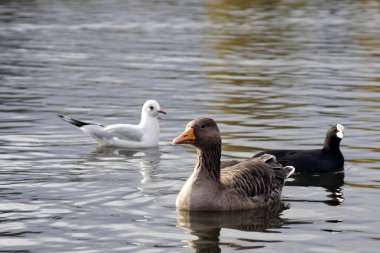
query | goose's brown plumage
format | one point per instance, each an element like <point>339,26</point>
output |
<point>232,185</point>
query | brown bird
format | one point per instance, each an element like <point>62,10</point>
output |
<point>233,185</point>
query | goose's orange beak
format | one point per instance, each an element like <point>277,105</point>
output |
<point>187,137</point>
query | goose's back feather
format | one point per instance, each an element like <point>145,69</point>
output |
<point>250,179</point>
<point>229,163</point>
<point>253,183</point>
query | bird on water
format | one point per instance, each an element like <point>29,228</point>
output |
<point>143,135</point>
<point>328,158</point>
<point>249,184</point>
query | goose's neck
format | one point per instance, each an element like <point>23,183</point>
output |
<point>208,162</point>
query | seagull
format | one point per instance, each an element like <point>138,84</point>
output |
<point>143,135</point>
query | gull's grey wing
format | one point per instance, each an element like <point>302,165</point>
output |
<point>125,133</point>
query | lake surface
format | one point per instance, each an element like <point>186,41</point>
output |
<point>273,74</point>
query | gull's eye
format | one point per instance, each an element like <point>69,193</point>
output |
<point>151,108</point>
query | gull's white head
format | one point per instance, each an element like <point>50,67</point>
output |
<point>152,108</point>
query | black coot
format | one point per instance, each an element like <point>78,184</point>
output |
<point>329,158</point>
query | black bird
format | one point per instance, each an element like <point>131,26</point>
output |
<point>327,159</point>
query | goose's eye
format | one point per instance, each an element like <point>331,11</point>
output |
<point>151,108</point>
<point>202,126</point>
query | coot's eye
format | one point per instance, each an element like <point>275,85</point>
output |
<point>202,126</point>
<point>151,107</point>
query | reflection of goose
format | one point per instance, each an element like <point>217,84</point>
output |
<point>207,225</point>
<point>143,135</point>
<point>329,158</point>
<point>249,184</point>
<point>148,158</point>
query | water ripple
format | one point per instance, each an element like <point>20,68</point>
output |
<point>273,74</point>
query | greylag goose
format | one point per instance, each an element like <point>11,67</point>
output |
<point>253,183</point>
<point>327,159</point>
<point>143,135</point>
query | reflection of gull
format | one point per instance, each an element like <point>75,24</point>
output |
<point>143,135</point>
<point>207,225</point>
<point>332,182</point>
<point>148,158</point>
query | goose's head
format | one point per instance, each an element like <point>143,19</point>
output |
<point>152,108</point>
<point>203,133</point>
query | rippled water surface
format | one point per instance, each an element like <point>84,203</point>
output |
<point>274,74</point>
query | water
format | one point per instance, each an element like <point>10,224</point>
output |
<point>274,74</point>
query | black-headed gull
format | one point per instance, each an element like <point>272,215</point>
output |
<point>143,135</point>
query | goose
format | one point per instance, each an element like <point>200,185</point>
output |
<point>143,135</point>
<point>249,184</point>
<point>327,159</point>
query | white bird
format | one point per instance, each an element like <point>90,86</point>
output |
<point>143,135</point>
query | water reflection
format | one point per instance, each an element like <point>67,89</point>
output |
<point>147,159</point>
<point>273,73</point>
<point>332,182</point>
<point>206,226</point>
<point>111,151</point>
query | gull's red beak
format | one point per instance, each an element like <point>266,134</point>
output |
<point>161,111</point>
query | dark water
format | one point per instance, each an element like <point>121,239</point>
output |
<point>274,74</point>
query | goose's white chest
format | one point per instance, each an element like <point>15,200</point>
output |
<point>199,193</point>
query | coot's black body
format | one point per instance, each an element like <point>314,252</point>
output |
<point>329,158</point>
